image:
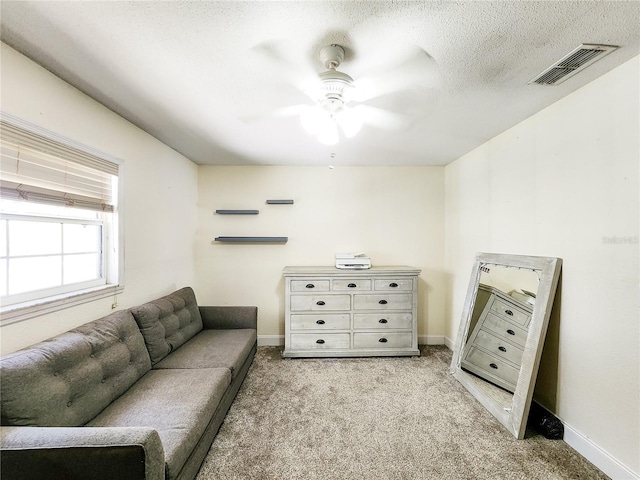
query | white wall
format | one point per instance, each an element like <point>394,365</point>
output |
<point>159,193</point>
<point>564,183</point>
<point>394,214</point>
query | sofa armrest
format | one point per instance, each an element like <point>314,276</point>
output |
<point>96,453</point>
<point>226,317</point>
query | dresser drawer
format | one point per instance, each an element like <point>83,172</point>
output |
<point>309,286</point>
<point>394,285</point>
<point>351,284</point>
<point>306,303</point>
<point>505,330</point>
<point>498,347</point>
<point>492,365</point>
<point>383,321</point>
<point>320,341</point>
<point>383,301</point>
<point>320,322</point>
<point>509,311</point>
<point>382,340</point>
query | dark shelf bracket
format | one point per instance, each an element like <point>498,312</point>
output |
<point>279,202</point>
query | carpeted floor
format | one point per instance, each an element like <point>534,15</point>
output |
<point>373,418</point>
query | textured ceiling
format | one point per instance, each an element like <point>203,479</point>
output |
<point>204,77</point>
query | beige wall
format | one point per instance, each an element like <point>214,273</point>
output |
<point>159,193</point>
<point>565,183</point>
<point>394,214</point>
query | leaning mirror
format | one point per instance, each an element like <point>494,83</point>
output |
<point>501,334</point>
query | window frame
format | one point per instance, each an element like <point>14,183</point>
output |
<point>114,225</point>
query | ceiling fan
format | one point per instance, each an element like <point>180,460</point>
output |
<point>331,94</point>
<point>339,102</point>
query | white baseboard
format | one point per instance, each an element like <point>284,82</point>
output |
<point>270,340</point>
<point>597,456</point>
<point>449,343</point>
<point>278,340</point>
<point>430,339</point>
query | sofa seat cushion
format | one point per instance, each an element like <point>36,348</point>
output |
<point>168,322</point>
<point>67,380</point>
<point>213,349</point>
<point>178,404</point>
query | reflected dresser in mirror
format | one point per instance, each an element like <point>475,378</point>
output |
<point>500,326</point>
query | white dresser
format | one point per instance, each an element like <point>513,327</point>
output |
<point>350,313</point>
<point>499,325</point>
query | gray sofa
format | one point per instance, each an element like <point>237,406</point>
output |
<point>138,394</point>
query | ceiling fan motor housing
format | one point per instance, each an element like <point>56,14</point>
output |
<point>331,56</point>
<point>336,86</point>
<point>335,89</point>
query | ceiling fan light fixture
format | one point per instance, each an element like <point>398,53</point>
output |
<point>321,123</point>
<point>324,123</point>
<point>312,119</point>
<point>350,121</point>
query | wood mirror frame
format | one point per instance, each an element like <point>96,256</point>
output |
<point>510,410</point>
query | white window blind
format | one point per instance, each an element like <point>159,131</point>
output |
<point>36,168</point>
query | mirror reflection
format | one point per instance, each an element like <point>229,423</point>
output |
<point>501,334</point>
<point>499,324</point>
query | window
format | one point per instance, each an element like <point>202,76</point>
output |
<point>59,242</point>
<point>48,250</point>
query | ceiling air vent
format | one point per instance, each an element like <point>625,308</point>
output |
<point>572,63</point>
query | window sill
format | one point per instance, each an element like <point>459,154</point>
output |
<point>24,311</point>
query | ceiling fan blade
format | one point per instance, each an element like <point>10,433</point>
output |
<point>415,69</point>
<point>383,119</point>
<point>284,112</point>
<point>281,60</point>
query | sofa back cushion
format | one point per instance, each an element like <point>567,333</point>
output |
<point>68,379</point>
<point>168,322</point>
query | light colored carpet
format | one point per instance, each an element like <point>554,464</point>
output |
<point>373,418</point>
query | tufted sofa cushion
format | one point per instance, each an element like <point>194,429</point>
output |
<point>168,322</point>
<point>69,379</point>
<point>214,349</point>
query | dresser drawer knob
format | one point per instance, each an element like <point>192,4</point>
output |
<point>382,302</point>
<point>321,322</point>
<point>352,285</point>
<point>383,320</point>
<point>320,341</point>
<point>320,302</point>
<point>493,365</point>
<point>393,285</point>
<point>509,312</point>
<point>502,349</point>
<point>310,285</point>
<point>511,332</point>
<point>383,340</point>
